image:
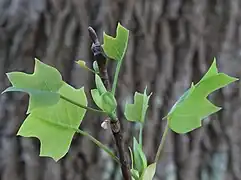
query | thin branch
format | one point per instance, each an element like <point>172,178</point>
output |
<point>101,59</point>
<point>160,148</point>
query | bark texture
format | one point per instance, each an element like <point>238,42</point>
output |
<point>172,43</point>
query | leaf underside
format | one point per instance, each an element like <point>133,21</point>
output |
<point>42,85</point>
<point>55,125</point>
<point>52,119</point>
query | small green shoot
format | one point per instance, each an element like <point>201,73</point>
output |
<point>136,112</point>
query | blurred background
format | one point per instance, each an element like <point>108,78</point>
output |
<point>172,43</point>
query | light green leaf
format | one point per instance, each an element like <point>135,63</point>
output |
<point>99,84</point>
<point>55,125</point>
<point>137,111</point>
<point>188,112</point>
<point>42,85</point>
<point>108,102</point>
<point>135,174</point>
<point>149,172</point>
<point>81,63</point>
<point>140,161</point>
<point>115,48</point>
<point>96,67</point>
<point>96,97</point>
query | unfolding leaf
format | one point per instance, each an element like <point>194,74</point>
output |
<point>99,84</point>
<point>140,161</point>
<point>137,111</point>
<point>105,101</point>
<point>149,172</point>
<point>108,102</point>
<point>55,125</point>
<point>42,85</point>
<point>135,174</point>
<point>96,97</point>
<point>115,48</point>
<point>81,63</point>
<point>188,112</point>
<point>96,67</point>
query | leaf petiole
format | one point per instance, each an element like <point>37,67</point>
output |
<point>140,134</point>
<point>160,148</point>
<point>80,105</point>
<point>116,76</point>
<point>91,70</point>
<point>99,144</point>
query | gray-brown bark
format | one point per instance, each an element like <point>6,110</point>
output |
<point>172,43</point>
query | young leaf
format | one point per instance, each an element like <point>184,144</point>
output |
<point>99,85</point>
<point>140,162</point>
<point>42,85</point>
<point>108,102</point>
<point>149,172</point>
<point>81,63</point>
<point>96,67</point>
<point>188,112</point>
<point>96,97</point>
<point>135,174</point>
<point>115,48</point>
<point>137,111</point>
<point>55,125</point>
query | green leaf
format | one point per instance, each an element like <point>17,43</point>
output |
<point>42,85</point>
<point>99,84</point>
<point>55,125</point>
<point>108,102</point>
<point>82,64</point>
<point>137,111</point>
<point>115,48</point>
<point>96,67</point>
<point>135,174</point>
<point>149,172</point>
<point>188,112</point>
<point>96,97</point>
<point>140,162</point>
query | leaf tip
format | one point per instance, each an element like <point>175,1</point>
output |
<point>37,61</point>
<point>6,90</point>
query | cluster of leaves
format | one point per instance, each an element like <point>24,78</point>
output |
<point>56,109</point>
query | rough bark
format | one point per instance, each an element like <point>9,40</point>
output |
<point>172,43</point>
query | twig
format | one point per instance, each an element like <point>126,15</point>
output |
<point>101,59</point>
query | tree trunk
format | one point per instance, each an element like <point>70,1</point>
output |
<point>172,43</point>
